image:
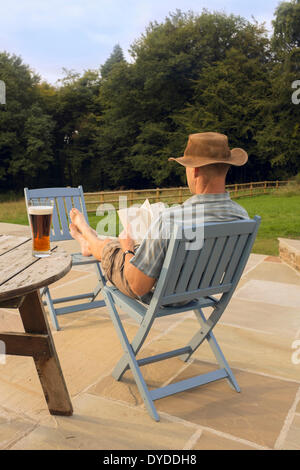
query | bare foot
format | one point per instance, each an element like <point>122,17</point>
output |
<point>84,246</point>
<point>78,220</point>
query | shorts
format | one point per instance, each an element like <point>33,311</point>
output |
<point>112,263</point>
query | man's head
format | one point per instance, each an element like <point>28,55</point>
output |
<point>209,176</point>
<point>207,159</point>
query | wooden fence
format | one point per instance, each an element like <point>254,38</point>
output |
<point>172,195</point>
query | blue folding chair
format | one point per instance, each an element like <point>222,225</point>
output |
<point>192,276</point>
<point>65,199</point>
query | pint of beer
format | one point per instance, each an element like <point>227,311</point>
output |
<point>40,216</point>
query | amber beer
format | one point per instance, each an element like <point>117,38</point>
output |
<point>40,220</point>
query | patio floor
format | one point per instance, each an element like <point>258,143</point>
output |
<point>259,335</point>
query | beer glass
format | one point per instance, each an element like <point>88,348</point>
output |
<point>40,217</point>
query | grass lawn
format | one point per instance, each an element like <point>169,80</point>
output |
<point>280,218</point>
<point>280,215</point>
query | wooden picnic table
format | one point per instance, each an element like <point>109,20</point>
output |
<point>21,277</point>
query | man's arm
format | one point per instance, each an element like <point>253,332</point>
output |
<point>138,282</point>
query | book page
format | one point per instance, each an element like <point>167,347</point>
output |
<point>140,218</point>
<point>156,209</point>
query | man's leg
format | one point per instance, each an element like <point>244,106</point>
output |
<point>107,251</point>
<point>84,246</point>
<point>87,237</point>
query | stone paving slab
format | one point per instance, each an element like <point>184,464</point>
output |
<point>126,389</point>
<point>257,414</point>
<point>98,423</point>
<point>261,317</point>
<point>10,320</point>
<point>253,261</point>
<point>13,427</point>
<point>273,271</point>
<point>256,334</point>
<point>292,440</point>
<point>243,348</point>
<point>72,276</point>
<point>215,441</point>
<point>274,293</point>
<point>20,388</point>
<point>89,349</point>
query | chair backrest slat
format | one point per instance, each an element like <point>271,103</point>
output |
<point>62,217</point>
<point>65,200</point>
<point>173,275</point>
<point>187,270</point>
<point>225,259</point>
<point>235,257</point>
<point>213,269</point>
<point>201,264</point>
<point>77,204</point>
<point>213,263</point>
<point>55,230</point>
<point>69,206</point>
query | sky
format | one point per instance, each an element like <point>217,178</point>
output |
<point>81,34</point>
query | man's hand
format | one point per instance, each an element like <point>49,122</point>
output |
<point>139,283</point>
<point>126,242</point>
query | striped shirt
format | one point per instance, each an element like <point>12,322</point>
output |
<point>150,255</point>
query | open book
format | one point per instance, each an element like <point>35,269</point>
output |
<point>140,218</point>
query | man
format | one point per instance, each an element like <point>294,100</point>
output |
<point>135,269</point>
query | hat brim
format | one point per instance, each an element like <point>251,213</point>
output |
<point>238,157</point>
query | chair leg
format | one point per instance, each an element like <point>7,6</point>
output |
<point>51,309</point>
<point>101,281</point>
<point>130,358</point>
<point>137,342</point>
<point>218,353</point>
<point>197,341</point>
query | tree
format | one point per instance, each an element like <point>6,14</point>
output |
<point>279,140</point>
<point>170,60</point>
<point>116,57</point>
<point>227,99</point>
<point>286,24</point>
<point>21,93</point>
<point>33,163</point>
<point>76,115</point>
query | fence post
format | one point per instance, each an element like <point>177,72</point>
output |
<point>157,195</point>
<point>277,184</point>
<point>251,189</point>
<point>180,195</point>
<point>235,190</point>
<point>130,198</point>
<point>265,187</point>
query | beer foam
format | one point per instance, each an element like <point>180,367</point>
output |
<point>40,210</point>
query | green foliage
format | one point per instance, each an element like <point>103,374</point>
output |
<point>26,131</point>
<point>287,27</point>
<point>297,178</point>
<point>116,57</point>
<point>280,137</point>
<point>280,218</point>
<point>116,127</point>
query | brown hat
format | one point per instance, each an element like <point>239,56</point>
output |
<point>210,147</point>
